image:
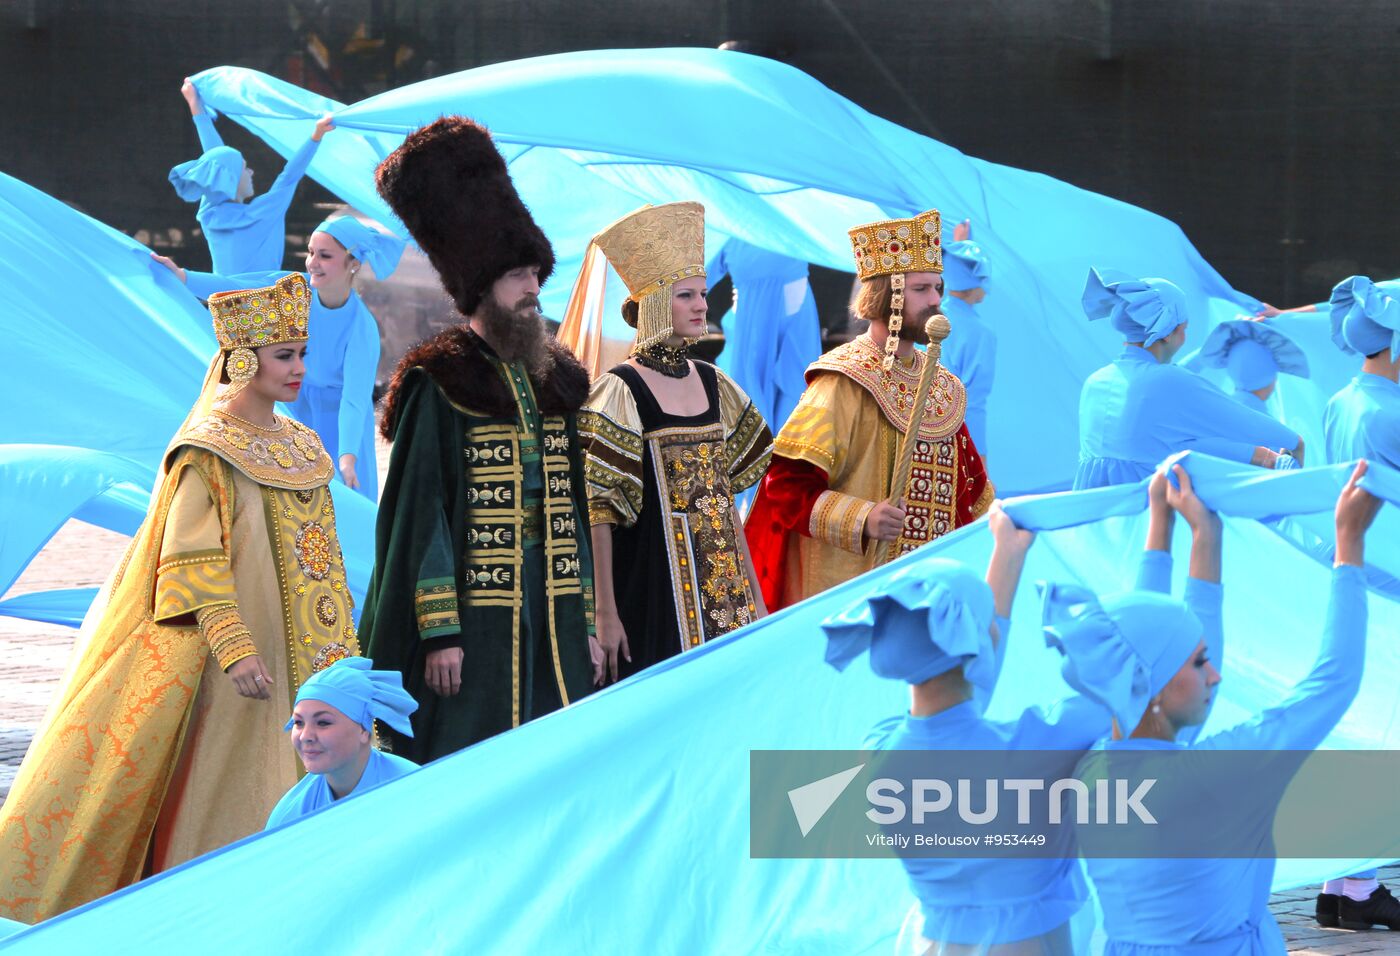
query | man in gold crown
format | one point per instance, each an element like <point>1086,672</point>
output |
<point>164,740</point>
<point>670,442</point>
<point>482,592</point>
<point>827,511</point>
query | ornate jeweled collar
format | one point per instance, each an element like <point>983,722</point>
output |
<point>288,455</point>
<point>862,361</point>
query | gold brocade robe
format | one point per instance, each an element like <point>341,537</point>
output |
<point>849,424</point>
<point>141,764</point>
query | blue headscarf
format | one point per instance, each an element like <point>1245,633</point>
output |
<point>213,176</point>
<point>1252,353</point>
<point>1144,310</point>
<point>379,250</point>
<point>964,266</point>
<point>1365,317</point>
<point>362,694</point>
<point>1120,652</point>
<point>921,622</point>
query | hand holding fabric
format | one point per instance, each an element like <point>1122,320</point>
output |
<point>191,95</point>
<point>169,263</point>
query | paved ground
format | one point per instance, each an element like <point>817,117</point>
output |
<point>32,658</point>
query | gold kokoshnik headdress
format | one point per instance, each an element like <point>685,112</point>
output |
<point>652,249</point>
<point>249,319</point>
<point>891,248</point>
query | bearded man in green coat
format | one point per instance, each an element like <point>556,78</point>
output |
<point>482,592</point>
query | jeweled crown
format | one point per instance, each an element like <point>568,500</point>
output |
<point>656,246</point>
<point>253,318</point>
<point>899,245</point>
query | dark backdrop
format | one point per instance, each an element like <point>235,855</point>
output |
<point>1264,127</point>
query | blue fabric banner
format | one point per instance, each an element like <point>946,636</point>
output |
<point>640,792</point>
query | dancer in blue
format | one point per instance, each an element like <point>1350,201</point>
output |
<point>1151,661</point>
<point>970,351</point>
<point>342,356</point>
<point>773,333</point>
<point>245,233</point>
<point>929,627</point>
<point>1363,421</point>
<point>332,727</point>
<point>1252,354</point>
<point>1140,408</point>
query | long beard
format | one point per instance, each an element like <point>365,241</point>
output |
<point>912,328</point>
<point>518,334</point>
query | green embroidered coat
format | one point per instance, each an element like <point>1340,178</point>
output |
<point>472,437</point>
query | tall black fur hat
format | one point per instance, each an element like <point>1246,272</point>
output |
<point>450,186</point>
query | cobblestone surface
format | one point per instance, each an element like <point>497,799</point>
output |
<point>33,656</point>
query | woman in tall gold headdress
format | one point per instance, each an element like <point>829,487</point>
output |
<point>669,442</point>
<point>164,740</point>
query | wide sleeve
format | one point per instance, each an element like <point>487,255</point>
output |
<point>1320,699</point>
<point>1207,420</point>
<point>356,417</point>
<point>820,433</point>
<point>194,578</point>
<point>417,529</point>
<point>610,432</point>
<point>279,195</point>
<point>205,284</point>
<point>748,443</point>
<point>209,137</point>
<point>975,491</point>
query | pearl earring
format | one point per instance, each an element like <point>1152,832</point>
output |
<point>1156,708</point>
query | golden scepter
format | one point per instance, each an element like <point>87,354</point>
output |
<point>937,329</point>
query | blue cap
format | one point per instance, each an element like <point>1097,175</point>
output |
<point>964,266</point>
<point>1252,353</point>
<point>1122,651</point>
<point>1365,316</point>
<point>1144,310</point>
<point>379,250</point>
<point>213,176</point>
<point>922,621</point>
<point>362,694</point>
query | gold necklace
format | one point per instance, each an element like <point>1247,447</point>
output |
<point>281,422</point>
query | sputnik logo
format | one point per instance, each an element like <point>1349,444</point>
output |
<point>811,801</point>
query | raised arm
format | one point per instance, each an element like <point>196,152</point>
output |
<point>1320,699</point>
<point>203,123</point>
<point>1155,566</point>
<point>1009,547</point>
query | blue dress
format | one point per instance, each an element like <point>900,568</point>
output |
<point>250,236</point>
<point>1136,411</point>
<point>1219,907</point>
<point>312,792</point>
<point>770,336</point>
<point>1363,421</point>
<point>342,360</point>
<point>970,353</point>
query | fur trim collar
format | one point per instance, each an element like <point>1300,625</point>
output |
<point>461,364</point>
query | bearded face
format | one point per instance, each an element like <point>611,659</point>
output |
<point>912,328</point>
<point>517,332</point>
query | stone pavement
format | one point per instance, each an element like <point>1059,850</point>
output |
<point>32,658</point>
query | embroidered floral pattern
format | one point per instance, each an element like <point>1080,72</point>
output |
<point>313,551</point>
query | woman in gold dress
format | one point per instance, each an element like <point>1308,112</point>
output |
<point>670,441</point>
<point>164,740</point>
